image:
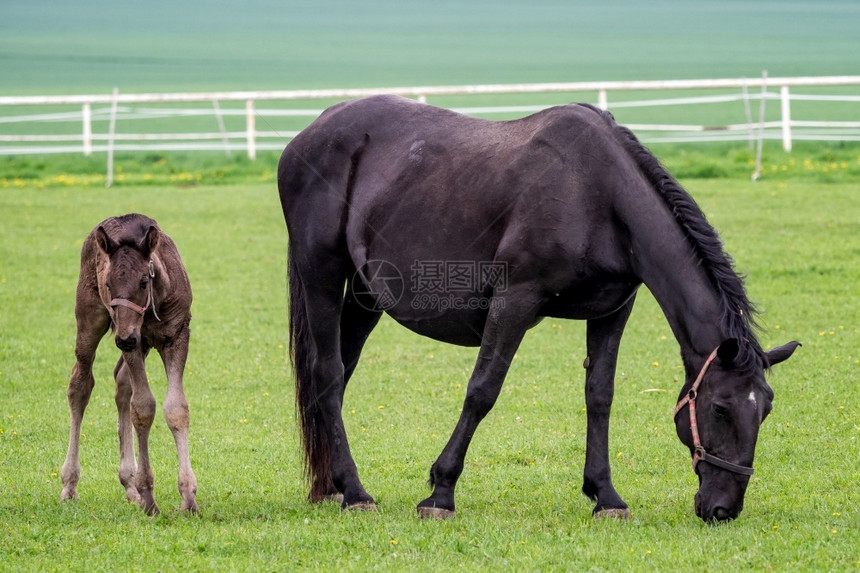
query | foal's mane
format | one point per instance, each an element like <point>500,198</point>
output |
<point>738,312</point>
<point>127,230</point>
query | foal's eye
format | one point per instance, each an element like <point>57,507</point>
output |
<point>143,284</point>
<point>721,411</point>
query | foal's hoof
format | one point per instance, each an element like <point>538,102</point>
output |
<point>151,510</point>
<point>69,494</point>
<point>434,513</point>
<point>612,513</point>
<point>132,495</point>
<point>147,503</point>
<point>361,506</point>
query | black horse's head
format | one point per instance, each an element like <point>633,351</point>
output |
<point>718,417</point>
<point>127,283</point>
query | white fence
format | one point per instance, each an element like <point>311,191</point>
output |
<point>86,110</point>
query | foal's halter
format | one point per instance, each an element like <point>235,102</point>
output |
<point>699,453</point>
<point>150,302</point>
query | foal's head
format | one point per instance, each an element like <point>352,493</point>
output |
<point>127,279</point>
<point>729,404</point>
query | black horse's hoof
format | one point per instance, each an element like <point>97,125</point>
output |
<point>360,506</point>
<point>435,513</point>
<point>612,513</point>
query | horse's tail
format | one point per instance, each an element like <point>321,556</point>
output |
<point>317,454</point>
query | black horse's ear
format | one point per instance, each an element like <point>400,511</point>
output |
<point>728,351</point>
<point>149,241</point>
<point>781,353</point>
<point>105,243</point>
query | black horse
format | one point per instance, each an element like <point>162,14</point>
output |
<point>471,231</point>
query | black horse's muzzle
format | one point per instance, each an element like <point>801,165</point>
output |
<point>716,512</point>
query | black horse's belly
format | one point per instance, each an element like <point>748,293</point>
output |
<point>463,328</point>
<point>593,300</point>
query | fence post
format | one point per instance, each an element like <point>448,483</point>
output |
<point>87,118</point>
<point>786,118</point>
<point>221,127</point>
<point>602,101</point>
<point>757,173</point>
<point>748,113</point>
<point>111,133</point>
<point>250,129</point>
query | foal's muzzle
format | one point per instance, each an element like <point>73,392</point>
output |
<point>127,344</point>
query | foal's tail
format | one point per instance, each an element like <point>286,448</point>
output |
<point>317,454</point>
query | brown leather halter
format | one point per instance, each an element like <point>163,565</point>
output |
<point>699,453</point>
<point>150,302</point>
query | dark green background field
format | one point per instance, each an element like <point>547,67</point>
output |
<point>93,45</point>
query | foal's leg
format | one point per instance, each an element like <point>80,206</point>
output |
<point>174,356</point>
<point>127,465</point>
<point>142,414</point>
<point>356,324</point>
<point>93,323</point>
<point>502,336</point>
<point>603,338</point>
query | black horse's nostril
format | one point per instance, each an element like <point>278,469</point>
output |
<point>126,344</point>
<point>722,514</point>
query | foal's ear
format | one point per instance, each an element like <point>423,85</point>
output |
<point>105,243</point>
<point>728,351</point>
<point>149,241</point>
<point>781,353</point>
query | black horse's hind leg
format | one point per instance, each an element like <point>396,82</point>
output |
<point>603,339</point>
<point>506,325</point>
<point>323,282</point>
<point>356,324</point>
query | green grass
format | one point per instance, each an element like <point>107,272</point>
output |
<point>519,506</point>
<point>808,162</point>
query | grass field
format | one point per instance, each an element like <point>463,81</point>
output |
<point>796,234</point>
<point>519,506</point>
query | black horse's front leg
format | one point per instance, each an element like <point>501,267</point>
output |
<point>506,325</point>
<point>603,339</point>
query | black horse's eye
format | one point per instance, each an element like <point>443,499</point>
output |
<point>721,411</point>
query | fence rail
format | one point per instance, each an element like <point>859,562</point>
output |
<point>99,108</point>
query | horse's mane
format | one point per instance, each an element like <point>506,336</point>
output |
<point>738,318</point>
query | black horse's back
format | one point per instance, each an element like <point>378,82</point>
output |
<point>462,189</point>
